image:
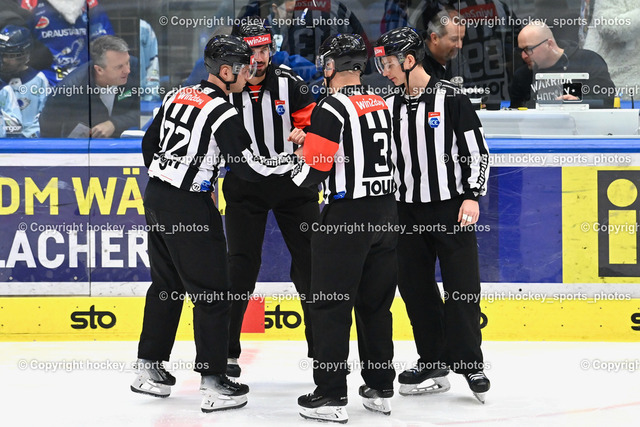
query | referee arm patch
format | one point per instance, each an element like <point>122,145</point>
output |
<point>302,117</point>
<point>318,152</point>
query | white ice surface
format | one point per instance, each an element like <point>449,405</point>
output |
<point>533,383</point>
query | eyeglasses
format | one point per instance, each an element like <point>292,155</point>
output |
<point>529,49</point>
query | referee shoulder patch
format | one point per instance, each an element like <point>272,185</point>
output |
<point>367,103</point>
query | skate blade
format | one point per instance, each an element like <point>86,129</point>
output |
<point>480,397</point>
<point>334,414</point>
<point>222,403</point>
<point>429,386</point>
<point>148,387</point>
<point>379,405</point>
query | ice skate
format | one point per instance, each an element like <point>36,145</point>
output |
<point>420,380</point>
<point>315,407</point>
<point>152,378</point>
<point>479,384</point>
<point>233,369</point>
<point>220,393</point>
<point>376,400</point>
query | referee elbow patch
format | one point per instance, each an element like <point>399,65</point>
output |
<point>318,152</point>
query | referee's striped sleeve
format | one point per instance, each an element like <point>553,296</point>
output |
<point>472,147</point>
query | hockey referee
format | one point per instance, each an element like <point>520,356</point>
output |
<point>442,166</point>
<point>273,103</point>
<point>347,149</point>
<point>195,130</point>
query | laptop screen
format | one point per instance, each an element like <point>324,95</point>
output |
<point>548,89</point>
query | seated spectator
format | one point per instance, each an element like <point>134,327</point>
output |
<point>67,27</point>
<point>443,40</point>
<point>12,14</point>
<point>10,125</point>
<point>29,85</point>
<point>541,53</point>
<point>98,99</point>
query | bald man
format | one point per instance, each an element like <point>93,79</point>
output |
<point>542,54</point>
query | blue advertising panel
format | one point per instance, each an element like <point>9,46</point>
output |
<point>73,216</point>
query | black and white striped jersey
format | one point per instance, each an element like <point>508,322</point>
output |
<point>198,131</point>
<point>284,102</point>
<point>347,147</point>
<point>438,146</point>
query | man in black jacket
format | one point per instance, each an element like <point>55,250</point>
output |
<point>444,41</point>
<point>542,54</point>
<point>99,99</point>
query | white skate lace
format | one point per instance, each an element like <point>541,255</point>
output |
<point>476,376</point>
<point>230,384</point>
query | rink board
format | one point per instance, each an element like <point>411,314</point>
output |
<point>533,318</point>
<point>73,229</point>
<point>77,218</point>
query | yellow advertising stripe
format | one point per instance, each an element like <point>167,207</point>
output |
<point>599,225</point>
<point>579,212</point>
<point>581,320</point>
<point>120,318</point>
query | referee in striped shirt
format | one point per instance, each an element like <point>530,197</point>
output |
<point>442,165</point>
<point>354,262</point>
<point>271,105</point>
<point>195,132</point>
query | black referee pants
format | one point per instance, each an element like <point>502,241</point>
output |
<point>187,253</point>
<point>248,204</point>
<point>445,332</point>
<point>354,270</point>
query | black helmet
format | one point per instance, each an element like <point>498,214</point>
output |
<point>399,42</point>
<point>348,52</point>
<point>15,42</point>
<point>255,34</point>
<point>226,49</point>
